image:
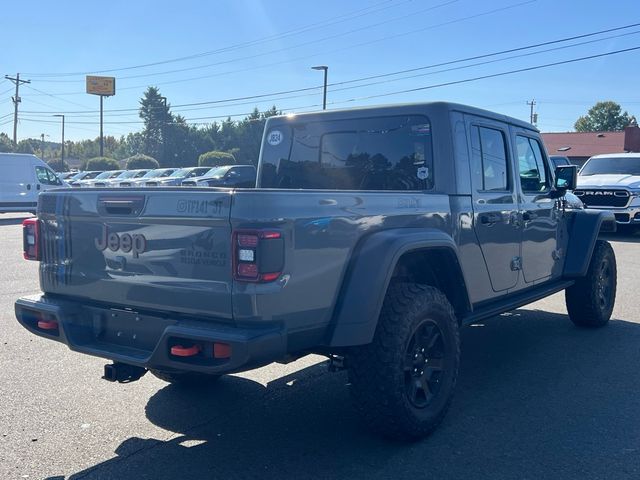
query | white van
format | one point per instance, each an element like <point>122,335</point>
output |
<point>22,178</point>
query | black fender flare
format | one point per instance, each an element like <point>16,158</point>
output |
<point>367,278</point>
<point>583,233</point>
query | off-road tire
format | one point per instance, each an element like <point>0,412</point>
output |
<point>591,299</point>
<point>185,379</point>
<point>381,373</point>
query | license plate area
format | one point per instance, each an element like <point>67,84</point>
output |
<point>124,328</point>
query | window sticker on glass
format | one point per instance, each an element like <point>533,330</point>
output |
<point>274,138</point>
<point>423,173</point>
<point>421,129</point>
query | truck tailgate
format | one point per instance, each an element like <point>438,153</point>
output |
<point>160,249</point>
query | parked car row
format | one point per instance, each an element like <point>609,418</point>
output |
<point>223,176</point>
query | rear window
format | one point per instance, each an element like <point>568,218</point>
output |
<point>383,153</point>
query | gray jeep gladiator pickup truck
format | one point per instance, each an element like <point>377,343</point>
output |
<point>372,236</point>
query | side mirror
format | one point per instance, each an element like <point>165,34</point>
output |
<point>566,178</point>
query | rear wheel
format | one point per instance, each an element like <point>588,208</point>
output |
<point>186,379</point>
<point>402,383</point>
<point>591,299</point>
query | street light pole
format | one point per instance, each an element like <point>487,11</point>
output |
<point>62,153</point>
<point>163,130</point>
<point>324,92</point>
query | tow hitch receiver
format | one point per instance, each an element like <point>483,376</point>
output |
<point>123,373</point>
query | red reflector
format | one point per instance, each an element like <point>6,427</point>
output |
<point>249,270</point>
<point>221,350</point>
<point>270,235</point>
<point>47,324</point>
<point>247,240</point>
<point>269,277</point>
<point>180,351</point>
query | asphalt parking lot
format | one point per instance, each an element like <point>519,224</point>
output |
<point>537,398</point>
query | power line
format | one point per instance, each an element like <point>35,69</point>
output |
<point>339,50</point>
<point>483,77</point>
<point>323,24</point>
<point>56,96</point>
<point>303,44</point>
<point>486,62</point>
<point>426,87</point>
<point>385,75</point>
<point>186,120</point>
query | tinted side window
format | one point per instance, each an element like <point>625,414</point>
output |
<point>533,173</point>
<point>490,155</point>
<point>382,153</point>
<point>245,174</point>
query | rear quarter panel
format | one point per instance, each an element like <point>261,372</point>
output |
<point>321,230</point>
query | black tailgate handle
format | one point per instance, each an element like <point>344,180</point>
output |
<point>120,205</point>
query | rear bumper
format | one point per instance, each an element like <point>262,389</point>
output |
<point>146,340</point>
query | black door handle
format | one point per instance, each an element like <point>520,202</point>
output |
<point>490,218</point>
<point>28,186</point>
<point>38,186</point>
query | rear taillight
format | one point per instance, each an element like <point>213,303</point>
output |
<point>258,255</point>
<point>31,239</point>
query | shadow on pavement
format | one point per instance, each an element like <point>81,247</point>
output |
<point>626,235</point>
<point>537,398</point>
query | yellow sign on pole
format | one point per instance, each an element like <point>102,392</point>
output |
<point>104,86</point>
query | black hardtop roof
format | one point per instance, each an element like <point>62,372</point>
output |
<point>430,108</point>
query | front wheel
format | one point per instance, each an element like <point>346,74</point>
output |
<point>402,383</point>
<point>591,299</point>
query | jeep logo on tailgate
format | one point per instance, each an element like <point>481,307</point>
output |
<point>136,243</point>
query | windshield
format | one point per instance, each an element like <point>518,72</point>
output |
<point>611,166</point>
<point>156,173</point>
<point>108,174</point>
<point>216,172</point>
<point>180,173</point>
<point>131,174</point>
<point>80,175</point>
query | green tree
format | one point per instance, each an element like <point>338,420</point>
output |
<point>155,113</point>
<point>141,161</point>
<point>604,117</point>
<point>6,145</point>
<point>25,146</point>
<point>102,163</point>
<point>215,158</point>
<point>59,165</point>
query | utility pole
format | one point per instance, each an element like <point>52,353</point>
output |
<point>533,117</point>
<point>16,101</point>
<point>62,153</point>
<point>42,146</point>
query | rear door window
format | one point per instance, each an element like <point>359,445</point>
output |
<point>490,157</point>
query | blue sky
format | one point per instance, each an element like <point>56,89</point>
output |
<point>242,48</point>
